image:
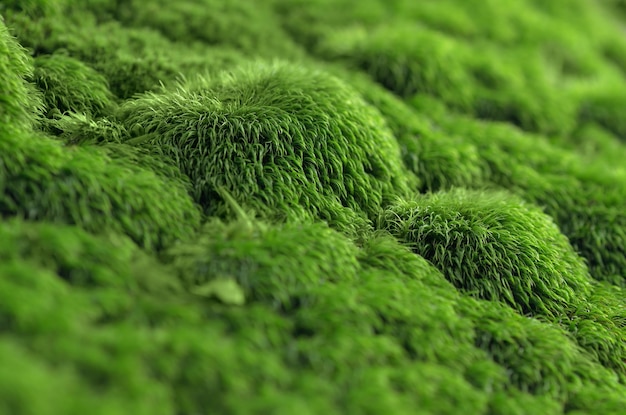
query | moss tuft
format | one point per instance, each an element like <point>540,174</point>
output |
<point>494,247</point>
<point>277,137</point>
<point>19,104</point>
<point>70,85</point>
<point>41,180</point>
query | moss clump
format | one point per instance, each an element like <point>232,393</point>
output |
<point>599,327</point>
<point>19,105</point>
<point>495,247</point>
<point>133,60</point>
<point>278,137</point>
<point>405,59</point>
<point>440,161</point>
<point>539,358</point>
<point>70,85</point>
<point>606,109</point>
<point>270,264</point>
<point>67,298</point>
<point>41,180</point>
<point>244,25</point>
<point>584,199</point>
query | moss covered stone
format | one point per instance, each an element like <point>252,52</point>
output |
<point>42,180</point>
<point>276,137</point>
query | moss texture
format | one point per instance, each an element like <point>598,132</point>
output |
<point>278,137</point>
<point>312,206</point>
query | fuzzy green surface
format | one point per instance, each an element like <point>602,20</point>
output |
<point>312,207</point>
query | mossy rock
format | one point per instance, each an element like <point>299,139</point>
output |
<point>70,85</point>
<point>277,137</point>
<point>42,180</point>
<point>493,246</point>
<point>19,104</point>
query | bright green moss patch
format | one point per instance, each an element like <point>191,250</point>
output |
<point>494,247</point>
<point>278,137</point>
<point>312,207</point>
<point>41,180</point>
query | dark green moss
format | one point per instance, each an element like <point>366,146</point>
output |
<point>19,104</point>
<point>439,161</point>
<point>133,60</point>
<point>277,137</point>
<point>493,246</point>
<point>523,345</point>
<point>41,180</point>
<point>70,85</point>
<point>606,108</point>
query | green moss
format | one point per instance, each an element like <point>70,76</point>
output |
<point>65,296</point>
<point>19,105</point>
<point>133,60</point>
<point>521,345</point>
<point>364,247</point>
<point>405,59</point>
<point>41,180</point>
<point>35,8</point>
<point>277,137</point>
<point>70,85</point>
<point>584,199</point>
<point>265,260</point>
<point>80,129</point>
<point>606,108</point>
<point>440,161</point>
<point>245,25</point>
<point>495,247</point>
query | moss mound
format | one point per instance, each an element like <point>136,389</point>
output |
<point>494,247</point>
<point>18,103</point>
<point>70,85</point>
<point>41,180</point>
<point>277,137</point>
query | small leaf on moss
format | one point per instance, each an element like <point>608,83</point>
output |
<point>225,290</point>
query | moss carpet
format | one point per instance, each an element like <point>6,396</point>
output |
<point>312,207</point>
